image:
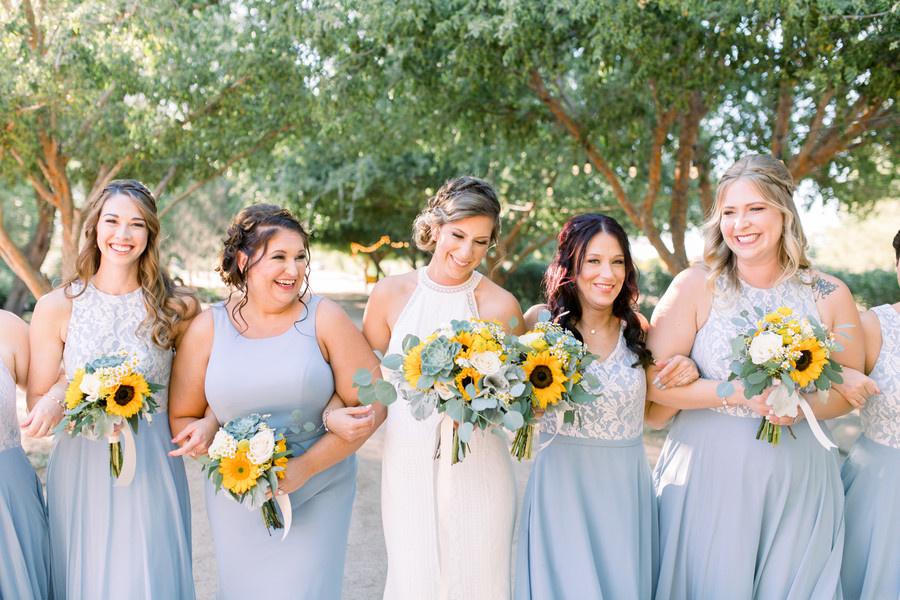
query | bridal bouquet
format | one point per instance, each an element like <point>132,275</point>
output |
<point>554,364</point>
<point>247,457</point>
<point>462,370</point>
<point>793,354</point>
<point>102,396</point>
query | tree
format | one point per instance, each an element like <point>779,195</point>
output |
<point>655,96</point>
<point>171,93</point>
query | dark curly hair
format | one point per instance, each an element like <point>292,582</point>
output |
<point>561,288</point>
<point>249,232</point>
<point>897,246</point>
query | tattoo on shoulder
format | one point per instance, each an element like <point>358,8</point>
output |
<point>822,287</point>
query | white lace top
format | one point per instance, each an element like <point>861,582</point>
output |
<point>712,345</point>
<point>618,411</point>
<point>103,324</point>
<point>9,426</point>
<point>881,414</point>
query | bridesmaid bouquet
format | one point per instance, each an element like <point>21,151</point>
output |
<point>102,396</point>
<point>463,370</point>
<point>247,457</point>
<point>554,364</point>
<point>793,354</point>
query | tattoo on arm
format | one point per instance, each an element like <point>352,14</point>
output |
<point>822,287</point>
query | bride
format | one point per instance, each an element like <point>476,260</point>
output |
<point>448,529</point>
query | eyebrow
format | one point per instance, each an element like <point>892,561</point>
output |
<point>478,237</point>
<point>595,254</point>
<point>112,214</point>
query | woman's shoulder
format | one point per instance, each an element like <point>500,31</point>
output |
<point>15,330</point>
<point>55,303</point>
<point>495,299</point>
<point>824,285</point>
<point>394,285</point>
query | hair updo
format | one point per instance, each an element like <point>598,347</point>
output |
<point>249,234</point>
<point>457,199</point>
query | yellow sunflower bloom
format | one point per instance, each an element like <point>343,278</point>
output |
<point>73,392</point>
<point>464,378</point>
<point>808,367</point>
<point>465,339</point>
<point>772,317</point>
<point>412,365</point>
<point>544,371</point>
<point>280,446</point>
<point>239,474</point>
<point>127,398</point>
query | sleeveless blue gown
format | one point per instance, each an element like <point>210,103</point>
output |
<point>739,518</point>
<point>118,542</point>
<point>287,377</point>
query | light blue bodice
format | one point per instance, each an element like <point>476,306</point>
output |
<point>712,344</point>
<point>881,414</point>
<point>102,324</point>
<point>618,411</point>
<point>9,425</point>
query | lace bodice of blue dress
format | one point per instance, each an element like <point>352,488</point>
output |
<point>881,414</point>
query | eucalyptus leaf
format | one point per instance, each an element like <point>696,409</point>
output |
<point>385,392</point>
<point>513,420</point>
<point>362,377</point>
<point>465,432</point>
<point>724,389</point>
<point>392,361</point>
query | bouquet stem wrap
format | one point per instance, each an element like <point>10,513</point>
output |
<point>122,456</point>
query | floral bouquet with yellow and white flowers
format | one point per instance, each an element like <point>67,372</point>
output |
<point>793,355</point>
<point>462,370</point>
<point>102,396</point>
<point>554,363</point>
<point>247,457</point>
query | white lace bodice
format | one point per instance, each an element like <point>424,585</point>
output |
<point>881,414</point>
<point>712,345</point>
<point>9,425</point>
<point>103,324</point>
<point>618,411</point>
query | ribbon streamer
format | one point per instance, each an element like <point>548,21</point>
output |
<point>284,503</point>
<point>125,437</point>
<point>814,425</point>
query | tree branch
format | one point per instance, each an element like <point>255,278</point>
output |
<point>19,264</point>
<point>36,39</point>
<point>164,182</point>
<point>815,127</point>
<point>782,119</point>
<point>89,121</point>
<point>687,139</point>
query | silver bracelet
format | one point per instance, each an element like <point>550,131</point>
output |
<point>325,414</point>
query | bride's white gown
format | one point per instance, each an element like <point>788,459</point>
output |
<point>448,529</point>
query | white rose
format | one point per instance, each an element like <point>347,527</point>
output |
<point>529,339</point>
<point>765,347</point>
<point>261,446</point>
<point>783,401</point>
<point>90,386</point>
<point>223,445</point>
<point>486,363</point>
<point>443,390</point>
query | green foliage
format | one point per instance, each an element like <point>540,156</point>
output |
<point>526,283</point>
<point>870,288</point>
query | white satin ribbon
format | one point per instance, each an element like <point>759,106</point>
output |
<point>125,437</point>
<point>284,503</point>
<point>560,421</point>
<point>814,425</point>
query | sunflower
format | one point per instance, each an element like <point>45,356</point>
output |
<point>238,473</point>
<point>127,398</point>
<point>544,372</point>
<point>465,377</point>
<point>280,446</point>
<point>808,367</point>
<point>464,339</point>
<point>412,365</point>
<point>74,394</point>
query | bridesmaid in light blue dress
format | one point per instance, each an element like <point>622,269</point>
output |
<point>24,539</point>
<point>588,527</point>
<point>738,517</point>
<point>108,541</point>
<point>277,350</point>
<point>871,473</point>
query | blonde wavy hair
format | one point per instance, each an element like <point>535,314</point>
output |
<point>167,303</point>
<point>775,184</point>
<point>457,199</point>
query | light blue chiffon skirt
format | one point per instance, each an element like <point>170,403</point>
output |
<point>739,518</point>
<point>588,527</point>
<point>119,542</point>
<point>308,564</point>
<point>871,475</point>
<point>24,540</point>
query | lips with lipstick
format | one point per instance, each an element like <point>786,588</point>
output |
<point>121,249</point>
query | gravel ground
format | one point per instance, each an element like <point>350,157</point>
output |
<point>366,560</point>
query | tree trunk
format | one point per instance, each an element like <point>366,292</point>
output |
<point>35,252</point>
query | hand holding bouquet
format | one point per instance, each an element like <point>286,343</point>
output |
<point>554,364</point>
<point>102,396</point>
<point>247,458</point>
<point>463,370</point>
<point>792,354</point>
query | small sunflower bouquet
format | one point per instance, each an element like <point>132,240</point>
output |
<point>554,364</point>
<point>790,353</point>
<point>247,457</point>
<point>102,396</point>
<point>462,370</point>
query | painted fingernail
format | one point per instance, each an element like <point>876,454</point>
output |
<point>656,382</point>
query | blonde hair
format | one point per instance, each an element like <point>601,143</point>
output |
<point>457,199</point>
<point>166,302</point>
<point>775,184</point>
